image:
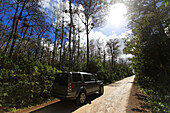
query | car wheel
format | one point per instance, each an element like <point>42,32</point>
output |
<point>81,99</point>
<point>101,90</point>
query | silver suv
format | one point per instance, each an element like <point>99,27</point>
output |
<point>76,86</point>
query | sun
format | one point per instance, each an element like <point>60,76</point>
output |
<point>117,14</point>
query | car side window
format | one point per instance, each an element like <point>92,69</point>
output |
<point>92,78</point>
<point>76,77</point>
<point>86,78</point>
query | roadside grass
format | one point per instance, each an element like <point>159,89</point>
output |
<point>156,101</point>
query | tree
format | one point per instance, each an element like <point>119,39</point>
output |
<point>25,18</point>
<point>150,45</point>
<point>99,49</point>
<point>113,49</point>
<point>13,26</point>
<point>92,48</point>
<point>94,13</point>
<point>57,11</point>
<point>149,29</point>
<point>4,27</point>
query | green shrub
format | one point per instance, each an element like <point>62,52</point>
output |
<point>24,82</point>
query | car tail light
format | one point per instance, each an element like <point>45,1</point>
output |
<point>70,87</point>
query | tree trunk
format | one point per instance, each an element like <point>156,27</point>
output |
<point>53,61</point>
<point>16,27</point>
<point>78,48</point>
<point>87,33</point>
<point>23,38</point>
<point>62,40</point>
<point>2,43</point>
<point>12,31</point>
<point>42,52</point>
<point>64,54</point>
<point>71,21</point>
<point>37,49</point>
<point>49,61</point>
<point>104,59</point>
<point>74,45</point>
<point>39,41</point>
<point>112,61</point>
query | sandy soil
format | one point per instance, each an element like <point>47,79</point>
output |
<point>136,103</point>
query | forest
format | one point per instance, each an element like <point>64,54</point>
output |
<point>36,43</point>
<point>150,45</point>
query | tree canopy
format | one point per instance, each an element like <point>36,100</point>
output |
<point>150,45</point>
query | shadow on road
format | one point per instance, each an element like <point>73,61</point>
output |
<point>131,82</point>
<point>136,101</point>
<point>115,84</point>
<point>65,106</point>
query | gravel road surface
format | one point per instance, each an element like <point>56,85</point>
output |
<point>114,100</point>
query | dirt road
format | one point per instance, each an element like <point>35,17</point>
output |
<point>114,100</point>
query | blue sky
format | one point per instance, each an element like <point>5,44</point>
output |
<point>115,26</point>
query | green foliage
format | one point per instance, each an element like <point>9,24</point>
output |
<point>24,82</point>
<point>166,2</point>
<point>108,74</point>
<point>150,46</point>
<point>26,76</point>
<point>94,65</point>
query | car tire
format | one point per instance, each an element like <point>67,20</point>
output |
<point>81,99</point>
<point>101,90</point>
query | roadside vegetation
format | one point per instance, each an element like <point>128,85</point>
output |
<point>26,82</point>
<point>150,45</point>
<point>33,47</point>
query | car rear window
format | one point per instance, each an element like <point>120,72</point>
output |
<point>61,78</point>
<point>76,77</point>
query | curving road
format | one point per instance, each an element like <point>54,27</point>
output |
<point>114,100</point>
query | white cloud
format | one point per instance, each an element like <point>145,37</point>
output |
<point>116,21</point>
<point>126,56</point>
<point>111,30</point>
<point>45,3</point>
<point>104,38</point>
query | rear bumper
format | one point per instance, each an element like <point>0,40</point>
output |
<point>64,97</point>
